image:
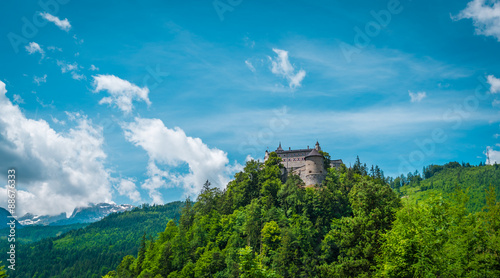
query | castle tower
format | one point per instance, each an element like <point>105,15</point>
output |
<point>266,156</point>
<point>279,149</point>
<point>317,147</point>
<point>315,171</point>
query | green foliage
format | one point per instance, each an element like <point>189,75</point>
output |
<point>475,180</point>
<point>352,225</point>
<point>439,238</point>
<point>3,272</point>
<point>262,227</point>
<point>30,234</point>
<point>250,267</point>
<point>96,249</point>
<point>353,242</point>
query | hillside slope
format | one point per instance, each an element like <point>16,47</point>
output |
<point>352,225</point>
<point>94,250</point>
<point>261,226</point>
<point>474,180</point>
<point>34,233</point>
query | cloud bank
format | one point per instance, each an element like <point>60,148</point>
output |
<point>171,149</point>
<point>57,171</point>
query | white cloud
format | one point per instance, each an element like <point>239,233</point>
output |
<point>485,16</point>
<point>249,65</point>
<point>281,66</point>
<point>127,188</point>
<point>66,67</point>
<point>57,171</point>
<point>250,158</point>
<point>57,121</point>
<point>62,24</point>
<point>492,156</point>
<point>50,105</point>
<point>93,68</point>
<point>494,84</point>
<point>34,47</point>
<point>54,48</point>
<point>72,68</point>
<point>18,99</point>
<point>417,97</point>
<point>77,76</point>
<point>122,92</point>
<point>39,80</point>
<point>173,149</point>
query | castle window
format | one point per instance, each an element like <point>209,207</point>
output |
<point>310,172</point>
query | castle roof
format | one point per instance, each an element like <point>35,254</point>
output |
<point>314,152</point>
<point>293,151</point>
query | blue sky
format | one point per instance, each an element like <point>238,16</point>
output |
<point>140,102</point>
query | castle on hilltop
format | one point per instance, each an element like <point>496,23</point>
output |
<point>308,164</point>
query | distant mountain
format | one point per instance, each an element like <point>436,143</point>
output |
<point>89,214</point>
<point>32,219</point>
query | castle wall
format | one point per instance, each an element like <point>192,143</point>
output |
<point>312,179</point>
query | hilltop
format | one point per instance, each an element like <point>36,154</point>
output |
<point>351,225</point>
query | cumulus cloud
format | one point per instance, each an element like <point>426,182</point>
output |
<point>57,171</point>
<point>417,97</point>
<point>127,187</point>
<point>494,84</point>
<point>485,16</point>
<point>93,68</point>
<point>62,24</point>
<point>39,80</point>
<point>171,149</point>
<point>34,47</point>
<point>122,92</point>
<point>281,66</point>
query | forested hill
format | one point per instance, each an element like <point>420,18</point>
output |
<point>96,249</point>
<point>474,180</point>
<point>353,225</point>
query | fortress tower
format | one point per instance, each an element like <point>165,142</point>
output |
<point>308,163</point>
<point>314,171</point>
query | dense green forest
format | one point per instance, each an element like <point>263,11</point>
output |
<point>446,179</point>
<point>96,249</point>
<point>352,225</point>
<point>30,234</point>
